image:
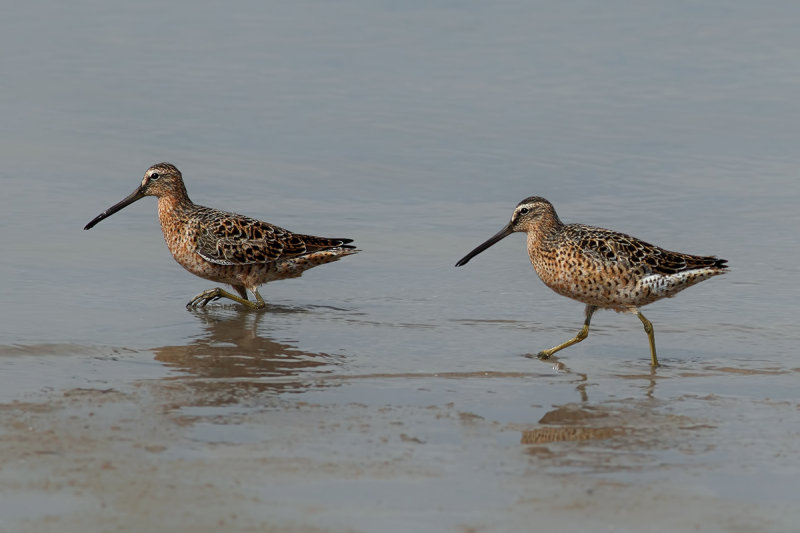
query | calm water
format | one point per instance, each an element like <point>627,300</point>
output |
<point>415,129</point>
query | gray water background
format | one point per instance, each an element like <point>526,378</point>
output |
<point>414,128</point>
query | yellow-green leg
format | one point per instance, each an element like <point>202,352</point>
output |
<point>582,334</point>
<point>215,294</point>
<point>648,328</point>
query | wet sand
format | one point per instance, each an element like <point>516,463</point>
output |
<point>198,453</point>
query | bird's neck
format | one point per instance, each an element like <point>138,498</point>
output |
<point>171,207</point>
<point>546,227</point>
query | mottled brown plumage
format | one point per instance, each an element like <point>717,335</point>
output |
<point>600,267</point>
<point>225,247</point>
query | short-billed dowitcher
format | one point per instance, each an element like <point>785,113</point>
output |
<point>600,267</point>
<point>225,247</point>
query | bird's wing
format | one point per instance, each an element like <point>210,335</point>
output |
<point>230,239</point>
<point>607,245</point>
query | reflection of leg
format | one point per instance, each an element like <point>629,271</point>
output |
<point>215,294</point>
<point>648,328</point>
<point>582,334</point>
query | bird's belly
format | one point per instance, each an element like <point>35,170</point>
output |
<point>249,275</point>
<point>620,298</point>
<point>611,287</point>
<point>184,252</point>
<point>230,274</point>
<point>617,288</point>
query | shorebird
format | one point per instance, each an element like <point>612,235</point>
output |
<point>599,267</point>
<point>225,247</point>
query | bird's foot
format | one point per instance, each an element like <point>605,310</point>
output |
<point>215,294</point>
<point>204,297</point>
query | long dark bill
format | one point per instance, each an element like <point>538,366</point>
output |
<point>135,195</point>
<point>499,236</point>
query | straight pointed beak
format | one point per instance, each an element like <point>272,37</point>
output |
<point>135,195</point>
<point>499,236</point>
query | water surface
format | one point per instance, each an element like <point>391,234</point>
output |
<point>389,391</point>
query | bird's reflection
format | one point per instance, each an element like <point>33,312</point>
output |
<point>559,367</point>
<point>583,420</point>
<point>582,380</point>
<point>231,358</point>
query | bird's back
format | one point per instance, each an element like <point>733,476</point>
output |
<point>232,248</point>
<point>232,239</point>
<point>613,270</point>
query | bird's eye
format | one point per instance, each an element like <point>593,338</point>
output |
<point>154,176</point>
<point>524,211</point>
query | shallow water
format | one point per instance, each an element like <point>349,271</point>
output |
<point>389,391</point>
